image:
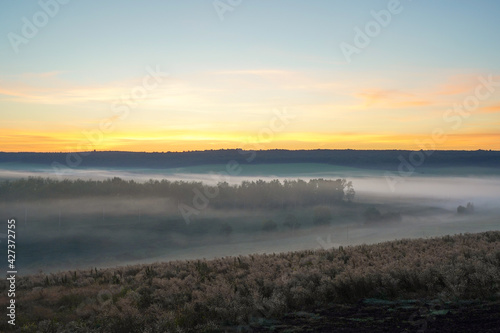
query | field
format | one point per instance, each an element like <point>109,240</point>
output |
<point>408,285</point>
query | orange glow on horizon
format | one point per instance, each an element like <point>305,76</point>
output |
<point>17,141</point>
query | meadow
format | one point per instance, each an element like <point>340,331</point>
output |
<point>408,285</point>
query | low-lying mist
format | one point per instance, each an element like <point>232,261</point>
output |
<point>431,185</point>
<point>98,231</point>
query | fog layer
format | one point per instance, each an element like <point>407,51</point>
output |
<point>103,231</point>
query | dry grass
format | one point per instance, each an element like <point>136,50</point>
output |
<point>211,295</point>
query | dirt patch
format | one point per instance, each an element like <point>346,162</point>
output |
<point>371,315</point>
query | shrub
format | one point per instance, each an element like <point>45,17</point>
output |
<point>269,225</point>
<point>322,215</point>
<point>372,214</point>
<point>225,229</point>
<point>466,210</point>
<point>292,222</point>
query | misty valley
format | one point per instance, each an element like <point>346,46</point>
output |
<point>312,240</point>
<point>82,222</point>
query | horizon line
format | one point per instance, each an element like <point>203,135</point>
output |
<point>239,149</point>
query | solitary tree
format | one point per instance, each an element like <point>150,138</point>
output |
<point>349,192</point>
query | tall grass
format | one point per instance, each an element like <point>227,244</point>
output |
<point>211,295</point>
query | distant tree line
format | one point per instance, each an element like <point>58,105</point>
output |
<point>247,195</point>
<point>289,193</point>
<point>371,159</point>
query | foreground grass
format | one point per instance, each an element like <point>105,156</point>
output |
<point>234,293</point>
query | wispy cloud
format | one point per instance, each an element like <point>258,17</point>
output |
<point>260,72</point>
<point>457,84</point>
<point>490,109</point>
<point>50,88</point>
<point>391,98</point>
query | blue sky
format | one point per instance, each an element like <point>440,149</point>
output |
<point>263,55</point>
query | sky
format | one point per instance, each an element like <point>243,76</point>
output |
<point>254,74</point>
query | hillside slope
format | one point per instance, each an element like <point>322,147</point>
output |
<point>398,285</point>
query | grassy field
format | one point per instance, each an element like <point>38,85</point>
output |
<point>403,285</point>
